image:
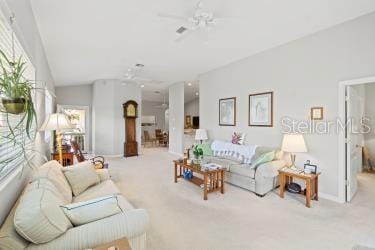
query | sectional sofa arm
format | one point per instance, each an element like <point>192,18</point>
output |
<point>269,169</point>
<point>130,224</point>
<point>103,174</point>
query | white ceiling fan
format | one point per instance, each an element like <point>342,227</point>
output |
<point>201,19</point>
<point>131,76</point>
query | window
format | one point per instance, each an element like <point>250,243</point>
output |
<point>16,153</point>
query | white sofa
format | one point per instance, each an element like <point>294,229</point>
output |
<point>240,172</point>
<point>130,222</point>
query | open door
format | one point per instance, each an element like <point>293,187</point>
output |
<point>354,141</point>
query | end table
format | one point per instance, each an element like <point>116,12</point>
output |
<point>286,176</point>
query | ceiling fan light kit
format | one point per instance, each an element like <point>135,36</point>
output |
<point>200,20</point>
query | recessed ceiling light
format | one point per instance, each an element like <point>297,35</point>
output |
<point>189,84</point>
<point>142,86</point>
<point>196,93</point>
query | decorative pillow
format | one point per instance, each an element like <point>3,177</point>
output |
<point>205,148</point>
<point>81,176</point>
<point>279,155</point>
<point>238,138</point>
<point>52,171</point>
<point>39,218</point>
<point>88,211</point>
<point>267,157</point>
<point>247,160</point>
<point>44,183</point>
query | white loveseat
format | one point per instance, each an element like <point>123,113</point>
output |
<point>49,189</point>
<point>238,159</point>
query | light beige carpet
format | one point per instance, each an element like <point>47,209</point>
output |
<point>181,219</point>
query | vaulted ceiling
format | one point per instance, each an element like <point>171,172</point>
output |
<point>87,40</point>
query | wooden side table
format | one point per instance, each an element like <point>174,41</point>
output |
<point>121,244</point>
<point>286,176</point>
<point>68,158</point>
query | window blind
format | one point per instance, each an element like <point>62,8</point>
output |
<point>16,149</point>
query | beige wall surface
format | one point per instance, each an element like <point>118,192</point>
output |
<point>302,74</point>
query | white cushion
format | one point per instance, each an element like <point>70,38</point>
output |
<point>81,176</point>
<point>52,171</point>
<point>131,224</point>
<point>103,189</point>
<point>88,211</point>
<point>44,183</point>
<point>39,218</point>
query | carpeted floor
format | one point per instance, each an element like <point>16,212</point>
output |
<point>238,220</point>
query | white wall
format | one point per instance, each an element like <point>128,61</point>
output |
<point>150,108</point>
<point>108,131</point>
<point>28,34</point>
<point>192,107</point>
<point>302,74</point>
<point>80,95</point>
<point>176,118</point>
<point>370,113</point>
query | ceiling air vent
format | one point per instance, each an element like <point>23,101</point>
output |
<point>181,30</point>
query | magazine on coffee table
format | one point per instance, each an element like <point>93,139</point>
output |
<point>211,166</point>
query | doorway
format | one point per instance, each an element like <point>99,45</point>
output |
<point>79,116</point>
<point>356,150</point>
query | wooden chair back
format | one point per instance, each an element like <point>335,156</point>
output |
<point>77,151</point>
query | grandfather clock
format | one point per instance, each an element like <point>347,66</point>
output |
<point>130,116</point>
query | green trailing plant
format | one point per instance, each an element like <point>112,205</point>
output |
<point>16,92</point>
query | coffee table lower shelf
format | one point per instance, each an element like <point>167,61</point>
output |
<point>212,181</point>
<point>195,180</point>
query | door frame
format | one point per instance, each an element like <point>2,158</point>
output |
<point>87,121</point>
<point>342,147</point>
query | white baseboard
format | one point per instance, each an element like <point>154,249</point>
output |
<point>330,197</point>
<point>112,156</point>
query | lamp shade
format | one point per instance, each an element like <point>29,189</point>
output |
<point>201,134</point>
<point>57,122</point>
<point>294,143</point>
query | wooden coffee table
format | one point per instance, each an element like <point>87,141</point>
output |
<point>212,180</point>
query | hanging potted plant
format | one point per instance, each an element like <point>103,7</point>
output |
<point>15,90</point>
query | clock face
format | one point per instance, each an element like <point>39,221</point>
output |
<point>130,110</point>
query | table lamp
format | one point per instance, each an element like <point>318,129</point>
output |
<point>57,122</point>
<point>201,135</point>
<point>293,143</point>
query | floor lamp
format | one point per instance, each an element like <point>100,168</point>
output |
<point>57,122</point>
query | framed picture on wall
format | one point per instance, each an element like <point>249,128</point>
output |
<point>227,112</point>
<point>188,121</point>
<point>261,109</point>
<point>316,113</point>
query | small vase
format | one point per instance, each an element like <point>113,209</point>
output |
<point>14,106</point>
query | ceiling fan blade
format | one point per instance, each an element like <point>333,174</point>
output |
<point>141,79</point>
<point>183,36</point>
<point>171,16</point>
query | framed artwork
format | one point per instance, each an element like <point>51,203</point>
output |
<point>188,121</point>
<point>261,109</point>
<point>316,113</point>
<point>310,169</point>
<point>227,112</point>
